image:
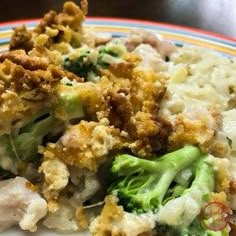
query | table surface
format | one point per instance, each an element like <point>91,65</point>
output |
<point>212,15</point>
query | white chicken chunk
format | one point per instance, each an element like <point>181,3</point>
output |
<point>150,58</point>
<point>142,36</point>
<point>19,204</point>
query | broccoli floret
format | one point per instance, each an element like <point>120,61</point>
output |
<point>111,53</point>
<point>21,146</point>
<point>26,144</point>
<point>174,187</point>
<point>142,185</point>
<point>89,61</point>
<point>115,48</point>
<point>82,65</point>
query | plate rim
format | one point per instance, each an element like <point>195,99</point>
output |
<point>129,20</point>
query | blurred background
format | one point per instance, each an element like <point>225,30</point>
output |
<point>213,15</point>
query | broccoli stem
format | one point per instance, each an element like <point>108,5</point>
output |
<point>26,144</point>
<point>204,178</point>
<point>69,104</point>
<point>181,158</point>
<point>170,165</point>
<point>176,161</point>
<point>163,185</point>
<point>178,212</point>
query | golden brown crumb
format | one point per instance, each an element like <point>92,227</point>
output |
<point>19,57</point>
<point>82,218</point>
<point>53,205</point>
<point>130,102</point>
<point>114,221</point>
<point>48,20</point>
<point>122,70</point>
<point>55,35</point>
<point>222,180</point>
<point>63,27</point>
<point>146,234</point>
<point>23,93</point>
<point>31,186</point>
<point>151,133</point>
<point>26,85</point>
<point>187,131</point>
<point>57,72</point>
<point>21,39</point>
<point>85,145</point>
<point>233,187</point>
<point>72,15</point>
<point>219,148</point>
<point>219,197</point>
<point>111,212</point>
<point>56,178</point>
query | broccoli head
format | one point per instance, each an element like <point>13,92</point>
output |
<point>174,187</point>
<point>111,53</point>
<point>87,62</point>
<point>141,185</point>
<point>81,65</point>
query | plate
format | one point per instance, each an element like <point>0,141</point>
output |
<point>120,27</point>
<point>179,35</point>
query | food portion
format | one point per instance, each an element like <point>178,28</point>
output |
<point>122,136</point>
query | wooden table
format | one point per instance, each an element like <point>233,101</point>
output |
<point>213,15</point>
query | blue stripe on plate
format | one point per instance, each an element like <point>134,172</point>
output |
<point>160,27</point>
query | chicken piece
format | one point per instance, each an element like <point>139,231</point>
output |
<point>63,218</point>
<point>66,212</point>
<point>20,203</point>
<point>115,221</point>
<point>85,185</point>
<point>141,36</point>
<point>150,58</point>
<point>94,39</point>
